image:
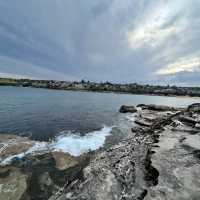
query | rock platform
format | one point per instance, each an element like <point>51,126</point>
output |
<point>159,159</point>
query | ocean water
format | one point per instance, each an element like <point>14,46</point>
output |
<point>74,121</point>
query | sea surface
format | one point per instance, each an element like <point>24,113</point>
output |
<point>75,121</point>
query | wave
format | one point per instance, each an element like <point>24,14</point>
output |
<point>77,145</point>
<point>71,143</point>
<point>131,117</point>
<point>37,148</point>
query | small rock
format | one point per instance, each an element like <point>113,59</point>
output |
<point>197,125</point>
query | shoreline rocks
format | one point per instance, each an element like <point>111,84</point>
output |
<point>124,171</point>
<point>13,184</point>
<point>194,107</point>
<point>64,160</point>
<point>156,107</point>
<point>11,145</point>
<point>127,109</point>
<point>159,159</point>
<point>28,172</point>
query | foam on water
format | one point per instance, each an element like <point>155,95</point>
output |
<point>9,159</point>
<point>76,144</point>
<point>37,148</point>
<point>131,117</point>
<point>67,142</point>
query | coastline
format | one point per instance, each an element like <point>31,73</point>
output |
<point>156,156</point>
<point>109,92</point>
<point>134,88</point>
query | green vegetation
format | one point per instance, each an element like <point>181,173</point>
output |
<point>8,82</point>
<point>132,88</point>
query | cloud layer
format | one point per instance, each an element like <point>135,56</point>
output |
<point>121,41</point>
<point>183,65</point>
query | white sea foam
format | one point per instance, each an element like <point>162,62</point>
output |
<point>131,117</point>
<point>9,159</point>
<point>76,144</point>
<point>69,143</point>
<point>37,148</point>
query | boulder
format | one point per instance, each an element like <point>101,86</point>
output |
<point>64,160</point>
<point>156,107</point>
<point>127,109</point>
<point>194,107</point>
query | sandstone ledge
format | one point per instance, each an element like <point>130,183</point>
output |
<point>158,161</point>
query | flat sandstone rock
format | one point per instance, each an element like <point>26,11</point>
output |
<point>13,185</point>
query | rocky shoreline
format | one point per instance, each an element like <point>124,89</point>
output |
<point>131,88</point>
<point>159,159</point>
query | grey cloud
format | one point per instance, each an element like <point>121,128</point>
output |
<point>183,78</point>
<point>75,39</point>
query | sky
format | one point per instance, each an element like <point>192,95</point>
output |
<point>122,41</point>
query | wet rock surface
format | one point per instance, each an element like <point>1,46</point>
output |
<point>36,175</point>
<point>127,109</point>
<point>12,145</point>
<point>64,160</point>
<point>13,184</point>
<point>129,170</point>
<point>194,107</point>
<point>159,159</point>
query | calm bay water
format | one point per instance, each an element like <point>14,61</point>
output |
<point>44,113</point>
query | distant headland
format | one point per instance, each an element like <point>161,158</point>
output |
<point>132,88</point>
